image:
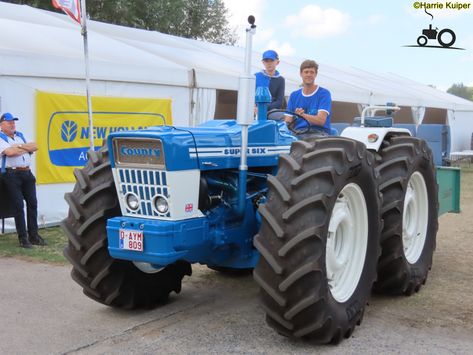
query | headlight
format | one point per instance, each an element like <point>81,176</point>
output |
<point>161,204</point>
<point>132,201</point>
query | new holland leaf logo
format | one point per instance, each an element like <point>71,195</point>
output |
<point>68,131</point>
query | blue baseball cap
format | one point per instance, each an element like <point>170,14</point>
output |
<point>7,116</point>
<point>270,54</point>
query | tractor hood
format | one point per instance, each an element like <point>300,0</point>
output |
<point>210,146</point>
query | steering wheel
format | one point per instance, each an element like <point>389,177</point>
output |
<point>278,115</point>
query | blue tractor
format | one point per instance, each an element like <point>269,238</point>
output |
<point>322,221</point>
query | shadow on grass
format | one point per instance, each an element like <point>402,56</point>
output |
<point>52,253</point>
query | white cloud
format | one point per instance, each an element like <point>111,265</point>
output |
<point>264,35</point>
<point>283,49</point>
<point>238,12</point>
<point>314,22</point>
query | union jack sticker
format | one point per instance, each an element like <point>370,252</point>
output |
<point>189,207</point>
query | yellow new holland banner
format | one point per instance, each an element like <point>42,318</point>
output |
<point>63,128</point>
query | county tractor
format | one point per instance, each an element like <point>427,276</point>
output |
<point>321,221</point>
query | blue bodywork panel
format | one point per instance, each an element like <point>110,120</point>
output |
<point>223,236</point>
<point>214,239</point>
<point>216,144</point>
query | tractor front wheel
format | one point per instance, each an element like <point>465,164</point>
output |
<point>319,240</point>
<point>110,281</point>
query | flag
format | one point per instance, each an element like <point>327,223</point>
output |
<point>70,7</point>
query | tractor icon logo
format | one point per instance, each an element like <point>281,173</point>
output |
<point>446,37</point>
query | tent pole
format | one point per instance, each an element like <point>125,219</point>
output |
<point>87,78</point>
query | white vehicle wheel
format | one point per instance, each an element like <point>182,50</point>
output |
<point>319,239</point>
<point>409,212</point>
<point>347,242</point>
<point>415,216</point>
<point>146,267</point>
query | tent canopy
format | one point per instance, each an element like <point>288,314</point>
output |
<point>40,43</point>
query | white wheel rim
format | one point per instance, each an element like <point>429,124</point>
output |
<point>415,216</point>
<point>347,242</point>
<point>146,267</point>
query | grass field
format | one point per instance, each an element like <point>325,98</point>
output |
<point>52,253</point>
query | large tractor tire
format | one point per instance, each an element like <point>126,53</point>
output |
<point>319,240</point>
<point>110,281</point>
<point>410,213</point>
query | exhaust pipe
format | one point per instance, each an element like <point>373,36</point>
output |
<point>246,102</point>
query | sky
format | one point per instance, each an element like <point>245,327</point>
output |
<point>366,34</point>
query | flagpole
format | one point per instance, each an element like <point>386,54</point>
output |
<point>87,79</point>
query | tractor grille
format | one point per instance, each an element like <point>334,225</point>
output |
<point>146,184</point>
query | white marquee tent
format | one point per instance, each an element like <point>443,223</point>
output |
<point>42,50</point>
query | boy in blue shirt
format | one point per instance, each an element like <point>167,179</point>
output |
<point>312,102</point>
<point>272,79</point>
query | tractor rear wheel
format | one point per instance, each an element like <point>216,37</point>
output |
<point>110,281</point>
<point>319,240</point>
<point>410,213</point>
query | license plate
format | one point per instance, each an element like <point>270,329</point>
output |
<point>131,240</point>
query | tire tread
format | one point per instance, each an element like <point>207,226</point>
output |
<point>113,282</point>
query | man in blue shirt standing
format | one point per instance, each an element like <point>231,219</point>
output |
<point>312,102</point>
<point>272,79</point>
<point>15,158</point>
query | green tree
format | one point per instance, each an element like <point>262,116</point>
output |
<point>198,19</point>
<point>462,91</point>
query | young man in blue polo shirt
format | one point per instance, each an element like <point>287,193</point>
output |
<point>311,102</point>
<point>269,77</point>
